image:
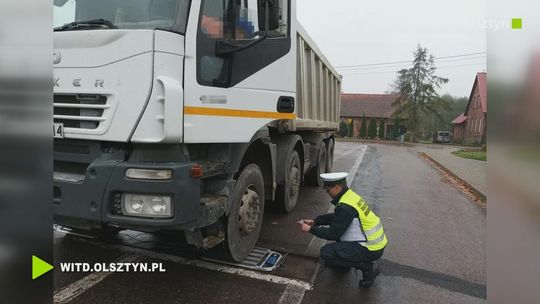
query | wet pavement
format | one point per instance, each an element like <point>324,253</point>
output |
<point>436,250</point>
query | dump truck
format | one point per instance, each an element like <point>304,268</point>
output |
<point>187,116</point>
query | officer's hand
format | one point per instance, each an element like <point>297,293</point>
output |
<point>305,227</point>
<point>309,222</point>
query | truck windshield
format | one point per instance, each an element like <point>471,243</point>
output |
<point>125,14</point>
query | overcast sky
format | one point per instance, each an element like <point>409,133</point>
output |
<point>359,32</point>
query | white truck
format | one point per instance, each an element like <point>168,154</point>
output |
<point>187,116</point>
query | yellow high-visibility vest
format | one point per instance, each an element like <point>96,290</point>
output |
<point>371,224</point>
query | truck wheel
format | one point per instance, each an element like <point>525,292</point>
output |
<point>245,218</point>
<point>330,154</point>
<point>288,193</point>
<point>314,176</point>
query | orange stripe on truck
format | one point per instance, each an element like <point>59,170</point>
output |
<point>236,113</point>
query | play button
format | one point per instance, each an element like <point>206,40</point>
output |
<point>39,267</point>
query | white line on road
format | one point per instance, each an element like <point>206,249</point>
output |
<point>356,165</point>
<point>292,295</point>
<point>75,289</point>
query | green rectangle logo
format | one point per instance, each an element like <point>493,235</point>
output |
<point>516,23</point>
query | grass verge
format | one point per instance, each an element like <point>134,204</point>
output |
<point>478,155</point>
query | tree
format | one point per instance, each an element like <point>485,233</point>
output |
<point>417,90</point>
<point>381,129</point>
<point>372,129</point>
<point>343,128</point>
<point>395,130</point>
<point>363,127</point>
<point>449,108</point>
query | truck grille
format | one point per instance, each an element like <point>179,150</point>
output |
<point>80,111</point>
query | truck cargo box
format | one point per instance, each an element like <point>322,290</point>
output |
<point>318,92</point>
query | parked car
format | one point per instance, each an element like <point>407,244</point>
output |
<point>441,137</point>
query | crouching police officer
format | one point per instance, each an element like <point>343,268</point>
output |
<point>358,232</point>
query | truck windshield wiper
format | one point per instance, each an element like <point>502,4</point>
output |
<point>86,24</point>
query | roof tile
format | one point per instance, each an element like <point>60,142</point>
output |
<point>460,119</point>
<point>372,105</point>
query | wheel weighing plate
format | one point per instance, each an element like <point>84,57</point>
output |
<point>261,259</point>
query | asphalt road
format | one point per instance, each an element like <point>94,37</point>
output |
<point>436,251</point>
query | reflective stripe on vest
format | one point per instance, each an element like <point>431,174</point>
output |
<point>371,224</point>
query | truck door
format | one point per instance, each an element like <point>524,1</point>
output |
<point>235,69</point>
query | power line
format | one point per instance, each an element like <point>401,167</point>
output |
<point>404,66</point>
<point>395,71</point>
<point>408,61</point>
<point>408,64</point>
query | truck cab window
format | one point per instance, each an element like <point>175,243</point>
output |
<point>250,26</point>
<point>125,14</point>
<point>239,22</point>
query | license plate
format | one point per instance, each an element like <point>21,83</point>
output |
<point>58,130</point>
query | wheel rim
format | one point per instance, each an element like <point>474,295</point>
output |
<point>249,211</point>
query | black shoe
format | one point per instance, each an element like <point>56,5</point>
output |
<point>369,275</point>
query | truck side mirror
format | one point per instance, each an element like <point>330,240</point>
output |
<point>273,14</point>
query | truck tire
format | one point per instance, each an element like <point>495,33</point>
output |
<point>245,218</point>
<point>287,194</point>
<point>314,176</point>
<point>330,156</point>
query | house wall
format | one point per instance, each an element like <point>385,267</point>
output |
<point>459,133</point>
<point>476,121</point>
<point>357,123</point>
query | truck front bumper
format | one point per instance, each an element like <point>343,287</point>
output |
<point>94,200</point>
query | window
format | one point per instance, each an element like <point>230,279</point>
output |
<point>480,125</point>
<point>233,43</point>
<point>125,14</point>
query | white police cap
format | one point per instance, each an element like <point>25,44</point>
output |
<point>333,178</point>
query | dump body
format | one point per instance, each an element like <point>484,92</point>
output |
<point>318,93</point>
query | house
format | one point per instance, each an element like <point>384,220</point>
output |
<point>378,106</point>
<point>470,126</point>
<point>459,128</point>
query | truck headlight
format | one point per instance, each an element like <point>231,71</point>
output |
<point>148,174</point>
<point>156,206</point>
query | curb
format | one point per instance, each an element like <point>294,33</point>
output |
<point>476,191</point>
<point>382,142</point>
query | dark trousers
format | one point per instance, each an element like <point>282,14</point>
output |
<point>348,254</point>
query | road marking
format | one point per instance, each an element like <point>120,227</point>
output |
<point>292,295</point>
<point>208,265</point>
<point>356,165</point>
<point>75,289</point>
